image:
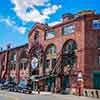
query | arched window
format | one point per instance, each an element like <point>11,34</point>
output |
<point>37,35</point>
<point>23,60</point>
<point>69,46</point>
<point>12,64</point>
<point>51,49</point>
<point>50,56</point>
<point>69,53</point>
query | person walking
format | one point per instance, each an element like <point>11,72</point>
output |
<point>38,89</point>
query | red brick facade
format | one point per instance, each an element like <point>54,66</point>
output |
<point>85,37</point>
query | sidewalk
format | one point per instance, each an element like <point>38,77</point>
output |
<point>42,93</point>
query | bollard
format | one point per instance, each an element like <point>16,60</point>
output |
<point>92,94</point>
<point>97,94</point>
<point>86,94</point>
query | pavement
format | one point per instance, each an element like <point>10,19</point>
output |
<point>4,95</point>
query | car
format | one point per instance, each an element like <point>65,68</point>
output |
<point>20,86</point>
<point>8,85</point>
<point>5,85</point>
<point>11,86</point>
<point>28,88</point>
<point>1,83</point>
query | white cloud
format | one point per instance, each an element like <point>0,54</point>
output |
<point>54,23</point>
<point>11,23</point>
<point>7,21</point>
<point>51,10</point>
<point>34,15</point>
<point>28,3</point>
<point>21,29</point>
<point>49,4</point>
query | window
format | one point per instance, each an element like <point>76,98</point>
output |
<point>36,36</point>
<point>70,46</point>
<point>25,65</point>
<point>99,43</point>
<point>51,49</point>
<point>49,34</point>
<point>21,66</point>
<point>12,66</point>
<point>96,24</point>
<point>99,59</point>
<point>67,29</point>
<point>13,57</point>
<point>69,55</point>
<point>53,62</point>
<point>47,63</point>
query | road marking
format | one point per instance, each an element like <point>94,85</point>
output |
<point>10,97</point>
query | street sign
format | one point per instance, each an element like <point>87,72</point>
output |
<point>34,62</point>
<point>79,76</point>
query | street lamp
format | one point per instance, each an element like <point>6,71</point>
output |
<point>80,83</point>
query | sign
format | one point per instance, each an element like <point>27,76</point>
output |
<point>34,62</point>
<point>79,76</point>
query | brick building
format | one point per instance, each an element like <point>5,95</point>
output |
<point>69,51</point>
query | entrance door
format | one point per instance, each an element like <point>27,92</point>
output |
<point>96,80</point>
<point>50,82</point>
<point>66,82</point>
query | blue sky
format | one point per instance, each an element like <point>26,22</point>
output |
<point>18,16</point>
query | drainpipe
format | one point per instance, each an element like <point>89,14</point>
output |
<point>17,68</point>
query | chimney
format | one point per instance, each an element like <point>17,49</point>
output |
<point>8,46</point>
<point>67,16</point>
<point>86,12</point>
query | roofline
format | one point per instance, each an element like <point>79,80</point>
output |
<point>71,20</point>
<point>63,23</point>
<point>24,45</point>
<point>36,25</point>
<point>54,26</point>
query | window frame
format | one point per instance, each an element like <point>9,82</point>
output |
<point>51,31</point>
<point>69,29</point>
<point>36,35</point>
<point>51,50</point>
<point>96,24</point>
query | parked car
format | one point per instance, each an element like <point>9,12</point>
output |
<point>1,83</point>
<point>29,87</point>
<point>20,86</point>
<point>9,85</point>
<point>5,85</point>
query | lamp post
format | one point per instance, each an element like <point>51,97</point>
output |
<point>80,83</point>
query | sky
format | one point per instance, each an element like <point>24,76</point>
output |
<point>17,17</point>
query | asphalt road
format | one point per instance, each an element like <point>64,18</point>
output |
<point>19,96</point>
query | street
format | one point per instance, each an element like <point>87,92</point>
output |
<point>4,95</point>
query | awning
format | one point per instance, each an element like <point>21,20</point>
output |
<point>39,78</point>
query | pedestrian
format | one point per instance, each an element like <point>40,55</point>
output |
<point>38,89</point>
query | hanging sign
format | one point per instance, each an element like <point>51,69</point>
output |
<point>34,62</point>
